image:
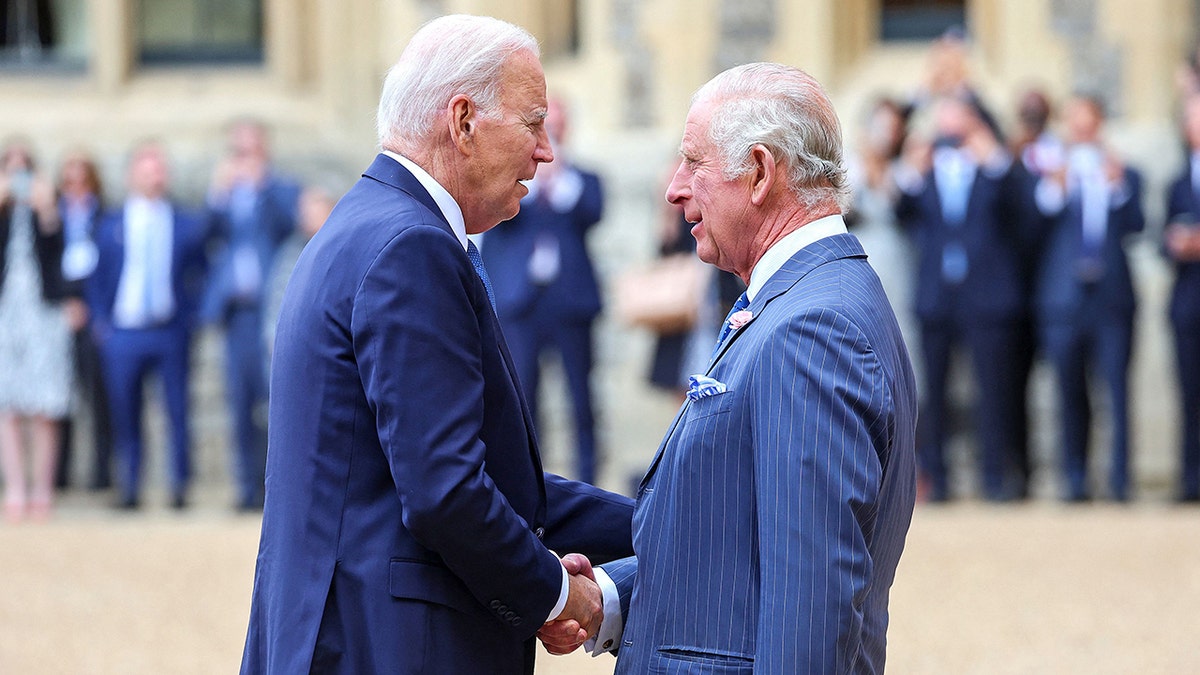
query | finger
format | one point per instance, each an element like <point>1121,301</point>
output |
<point>577,563</point>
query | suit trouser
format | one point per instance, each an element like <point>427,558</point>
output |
<point>246,389</point>
<point>531,334</point>
<point>993,347</point>
<point>1187,353</point>
<point>1102,342</point>
<point>130,355</point>
<point>90,383</point>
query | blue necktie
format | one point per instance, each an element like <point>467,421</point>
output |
<point>477,262</point>
<point>743,302</point>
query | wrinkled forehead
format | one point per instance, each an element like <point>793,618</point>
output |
<point>523,83</point>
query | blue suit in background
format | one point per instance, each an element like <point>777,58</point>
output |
<point>1085,306</point>
<point>249,224</point>
<point>130,353</point>
<point>547,295</point>
<point>768,528</point>
<point>970,290</point>
<point>1183,204</point>
<point>407,516</point>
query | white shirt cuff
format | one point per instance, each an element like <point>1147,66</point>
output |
<point>608,637</point>
<point>562,595</point>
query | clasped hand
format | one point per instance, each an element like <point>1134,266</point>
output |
<point>580,620</point>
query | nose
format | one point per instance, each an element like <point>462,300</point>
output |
<point>543,151</point>
<point>679,189</point>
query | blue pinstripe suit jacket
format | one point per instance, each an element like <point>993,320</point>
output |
<point>768,528</point>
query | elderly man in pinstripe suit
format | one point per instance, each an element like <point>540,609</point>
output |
<point>769,525</point>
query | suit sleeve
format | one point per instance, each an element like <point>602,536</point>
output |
<point>581,518</point>
<point>820,409</point>
<point>1129,214</point>
<point>416,336</point>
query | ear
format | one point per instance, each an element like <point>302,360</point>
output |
<point>763,173</point>
<point>462,121</point>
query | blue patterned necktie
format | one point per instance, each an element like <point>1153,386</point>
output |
<point>477,262</point>
<point>743,302</point>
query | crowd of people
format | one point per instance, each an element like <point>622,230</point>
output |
<point>1008,244</point>
<point>95,296</point>
<point>1012,245</point>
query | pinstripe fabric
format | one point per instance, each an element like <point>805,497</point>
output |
<point>770,523</point>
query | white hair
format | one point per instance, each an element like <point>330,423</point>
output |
<point>448,56</point>
<point>785,110</point>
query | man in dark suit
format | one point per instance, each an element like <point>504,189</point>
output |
<point>1084,298</point>
<point>961,210</point>
<point>1182,243</point>
<point>408,523</point>
<point>546,291</point>
<point>142,296</point>
<point>252,210</point>
<point>770,523</point>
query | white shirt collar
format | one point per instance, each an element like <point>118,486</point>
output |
<point>449,207</point>
<point>785,248</point>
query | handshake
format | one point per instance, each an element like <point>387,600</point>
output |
<point>580,620</point>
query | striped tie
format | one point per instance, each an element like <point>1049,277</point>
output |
<point>477,262</point>
<point>743,302</point>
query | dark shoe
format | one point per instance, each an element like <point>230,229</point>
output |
<point>128,503</point>
<point>179,501</point>
<point>1077,497</point>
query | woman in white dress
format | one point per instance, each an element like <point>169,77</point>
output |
<point>35,345</point>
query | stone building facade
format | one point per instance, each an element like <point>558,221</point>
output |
<point>114,71</point>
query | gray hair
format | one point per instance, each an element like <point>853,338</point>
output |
<point>787,111</point>
<point>448,56</point>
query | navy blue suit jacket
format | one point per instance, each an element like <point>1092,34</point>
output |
<point>273,220</point>
<point>992,235</point>
<point>506,250</point>
<point>407,517</point>
<point>1060,293</point>
<point>769,526</point>
<point>188,269</point>
<point>1185,297</point>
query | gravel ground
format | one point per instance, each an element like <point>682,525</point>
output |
<point>1028,589</point>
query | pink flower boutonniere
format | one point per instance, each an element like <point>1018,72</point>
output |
<point>740,319</point>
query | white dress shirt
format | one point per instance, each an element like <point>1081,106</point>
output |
<point>453,214</point>
<point>145,293</point>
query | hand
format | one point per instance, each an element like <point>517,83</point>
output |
<point>76,314</point>
<point>982,144</point>
<point>1114,170</point>
<point>581,618</point>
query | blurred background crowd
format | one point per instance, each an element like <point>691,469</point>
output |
<point>1026,183</point>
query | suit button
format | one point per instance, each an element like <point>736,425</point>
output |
<point>540,532</point>
<point>516,621</point>
<point>495,604</point>
<point>509,616</point>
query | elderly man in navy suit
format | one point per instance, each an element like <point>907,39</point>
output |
<point>1084,298</point>
<point>770,523</point>
<point>546,290</point>
<point>1182,240</point>
<point>408,525</point>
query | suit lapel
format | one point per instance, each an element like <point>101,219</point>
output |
<point>390,172</point>
<point>804,261</point>
<point>796,268</point>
